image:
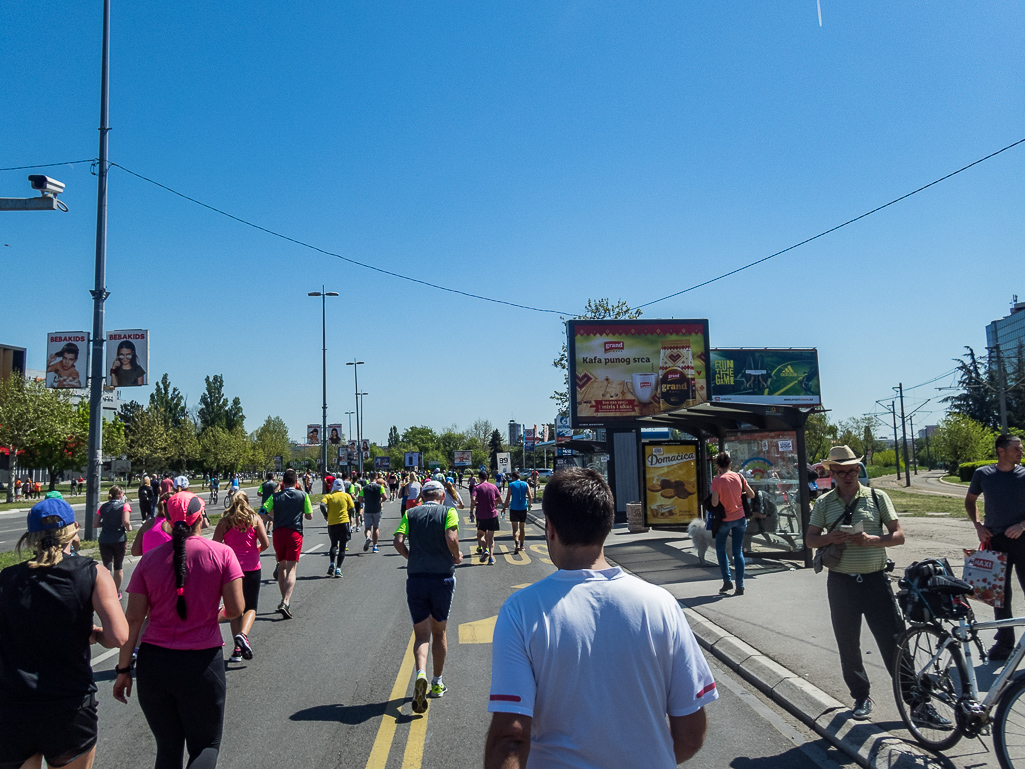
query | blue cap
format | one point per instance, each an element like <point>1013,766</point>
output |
<point>56,508</point>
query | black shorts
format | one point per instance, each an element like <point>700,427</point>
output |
<point>518,516</point>
<point>429,595</point>
<point>61,735</point>
<point>487,524</point>
<point>113,553</point>
<point>251,588</point>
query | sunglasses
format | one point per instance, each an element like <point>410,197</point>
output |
<point>850,473</point>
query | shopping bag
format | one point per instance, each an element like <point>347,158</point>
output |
<point>986,571</point>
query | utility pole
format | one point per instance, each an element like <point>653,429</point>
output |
<point>914,454</point>
<point>904,432</point>
<point>1002,391</point>
<point>99,293</point>
<point>896,452</point>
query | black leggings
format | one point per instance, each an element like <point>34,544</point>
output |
<point>181,693</point>
<point>340,533</point>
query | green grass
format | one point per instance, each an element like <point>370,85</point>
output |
<point>913,505</point>
<point>955,479</point>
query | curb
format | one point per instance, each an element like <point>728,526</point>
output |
<point>866,743</point>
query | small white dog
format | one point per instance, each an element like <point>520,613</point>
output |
<point>702,540</point>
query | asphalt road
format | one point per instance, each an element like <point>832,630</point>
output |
<point>332,687</point>
<point>926,482</point>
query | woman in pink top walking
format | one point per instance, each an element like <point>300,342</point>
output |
<point>155,530</point>
<point>729,488</point>
<point>243,531</point>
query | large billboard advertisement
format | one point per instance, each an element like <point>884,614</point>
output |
<point>772,377</point>
<point>312,434</point>
<point>412,459</point>
<point>334,435</point>
<point>67,359</point>
<point>382,463</point>
<point>670,483</point>
<point>624,369</point>
<point>462,458</point>
<point>128,357</point>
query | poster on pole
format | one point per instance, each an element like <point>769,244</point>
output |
<point>382,463</point>
<point>67,359</point>
<point>766,376</point>
<point>334,434</point>
<point>504,462</point>
<point>128,357</point>
<point>563,430</point>
<point>622,370</point>
<point>313,435</point>
<point>366,445</point>
<point>462,458</point>
<point>670,483</point>
<point>412,459</point>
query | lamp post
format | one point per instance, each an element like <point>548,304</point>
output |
<point>359,430</point>
<point>348,436</point>
<point>362,415</point>
<point>323,329</point>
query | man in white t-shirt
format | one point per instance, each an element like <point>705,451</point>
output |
<point>586,641</point>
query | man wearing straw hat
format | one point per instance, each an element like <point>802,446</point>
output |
<point>865,522</point>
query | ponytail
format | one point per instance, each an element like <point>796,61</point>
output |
<point>180,532</point>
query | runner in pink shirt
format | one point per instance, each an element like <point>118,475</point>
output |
<point>242,530</point>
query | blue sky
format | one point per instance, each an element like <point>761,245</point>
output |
<point>538,153</point>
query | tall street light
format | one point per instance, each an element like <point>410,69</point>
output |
<point>349,415</point>
<point>359,430</point>
<point>323,328</point>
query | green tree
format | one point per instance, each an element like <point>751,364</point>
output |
<point>819,436</point>
<point>495,446</point>
<point>183,445</point>
<point>960,438</point>
<point>147,443</point>
<point>214,409</point>
<point>169,403</point>
<point>422,439</point>
<point>29,413</point>
<point>56,452</point>
<point>271,440</point>
<point>977,397</point>
<point>393,437</point>
<point>596,309</point>
<point>479,431</point>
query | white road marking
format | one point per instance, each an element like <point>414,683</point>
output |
<point>105,656</point>
<point>315,547</point>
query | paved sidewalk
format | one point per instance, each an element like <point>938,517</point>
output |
<point>779,636</point>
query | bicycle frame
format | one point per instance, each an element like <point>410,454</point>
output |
<point>963,633</point>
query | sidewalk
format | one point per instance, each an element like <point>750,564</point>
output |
<point>779,637</point>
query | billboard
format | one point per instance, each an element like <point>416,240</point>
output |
<point>382,463</point>
<point>670,483</point>
<point>563,430</point>
<point>504,462</point>
<point>334,435</point>
<point>277,463</point>
<point>67,359</point>
<point>621,370</point>
<point>412,459</point>
<point>128,357</point>
<point>462,458</point>
<point>773,377</point>
<point>312,434</point>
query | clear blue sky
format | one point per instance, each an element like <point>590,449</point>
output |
<point>539,153</point>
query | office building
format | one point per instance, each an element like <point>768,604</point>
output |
<point>1007,333</point>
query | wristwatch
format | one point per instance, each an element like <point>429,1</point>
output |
<point>123,671</point>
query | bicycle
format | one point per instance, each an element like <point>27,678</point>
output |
<point>227,497</point>
<point>213,497</point>
<point>934,679</point>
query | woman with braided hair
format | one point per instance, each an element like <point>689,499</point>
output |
<point>179,585</point>
<point>47,692</point>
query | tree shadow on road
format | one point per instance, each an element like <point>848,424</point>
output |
<point>354,714</point>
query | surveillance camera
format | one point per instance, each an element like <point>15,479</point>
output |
<point>45,184</point>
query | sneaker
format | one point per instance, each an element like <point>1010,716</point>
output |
<point>862,709</point>
<point>366,545</point>
<point>926,715</point>
<point>516,549</point>
<point>727,586</point>
<point>331,571</point>
<point>243,646</point>
<point>484,555</point>
<point>274,576</point>
<point>119,595</point>
<point>999,652</point>
<point>285,610</point>
<point>375,549</point>
<point>338,572</point>
<point>236,656</point>
<point>438,690</point>
<point>491,561</point>
<point>420,693</point>
<point>739,591</point>
<point>479,549</point>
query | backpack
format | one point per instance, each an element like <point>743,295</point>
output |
<point>930,592</point>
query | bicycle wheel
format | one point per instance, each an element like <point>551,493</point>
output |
<point>928,680</point>
<point>1009,726</point>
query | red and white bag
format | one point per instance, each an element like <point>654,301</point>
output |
<point>986,571</point>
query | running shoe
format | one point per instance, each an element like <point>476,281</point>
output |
<point>420,693</point>
<point>338,572</point>
<point>479,549</point>
<point>285,610</point>
<point>366,545</point>
<point>491,561</point>
<point>375,549</point>
<point>484,555</point>
<point>236,656</point>
<point>438,690</point>
<point>331,570</point>
<point>243,646</point>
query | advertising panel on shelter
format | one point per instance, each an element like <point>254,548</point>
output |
<point>670,483</point>
<point>563,429</point>
<point>621,370</point>
<point>504,461</point>
<point>462,458</point>
<point>334,434</point>
<point>770,377</point>
<point>412,459</point>
<point>128,357</point>
<point>312,434</point>
<point>67,359</point>
<point>382,463</point>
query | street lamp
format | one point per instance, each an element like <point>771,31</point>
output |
<point>359,430</point>
<point>323,327</point>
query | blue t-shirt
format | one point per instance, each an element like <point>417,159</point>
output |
<point>518,498</point>
<point>1003,493</point>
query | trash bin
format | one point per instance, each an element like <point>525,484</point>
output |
<point>635,518</point>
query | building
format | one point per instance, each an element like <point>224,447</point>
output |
<point>1006,334</point>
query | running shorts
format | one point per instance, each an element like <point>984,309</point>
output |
<point>60,734</point>
<point>429,595</point>
<point>113,553</point>
<point>288,543</point>
<point>487,524</point>
<point>251,588</point>
<point>371,520</point>
<point>518,516</point>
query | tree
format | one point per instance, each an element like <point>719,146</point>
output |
<point>963,439</point>
<point>495,445</point>
<point>271,440</point>
<point>169,403</point>
<point>183,445</point>
<point>128,412</point>
<point>977,397</point>
<point>480,430</point>
<point>146,440</point>
<point>29,413</point>
<point>57,451</point>
<point>213,405</point>
<point>393,437</point>
<point>422,439</point>
<point>596,309</point>
<point>818,436</point>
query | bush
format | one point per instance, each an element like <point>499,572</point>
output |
<point>966,469</point>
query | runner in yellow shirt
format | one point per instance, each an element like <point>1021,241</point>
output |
<point>337,508</point>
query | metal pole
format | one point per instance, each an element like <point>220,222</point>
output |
<point>896,454</point>
<point>914,454</point>
<point>99,293</point>
<point>323,332</point>
<point>359,429</point>
<point>904,432</point>
<point>1002,392</point>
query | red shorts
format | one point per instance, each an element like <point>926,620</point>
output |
<point>288,543</point>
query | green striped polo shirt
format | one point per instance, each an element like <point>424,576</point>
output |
<point>830,508</point>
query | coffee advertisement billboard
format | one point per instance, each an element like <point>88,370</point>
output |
<point>670,483</point>
<point>621,370</point>
<point>128,357</point>
<point>766,376</point>
<point>67,359</point>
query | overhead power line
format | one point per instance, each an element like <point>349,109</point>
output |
<point>48,165</point>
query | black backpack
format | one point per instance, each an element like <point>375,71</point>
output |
<point>930,592</point>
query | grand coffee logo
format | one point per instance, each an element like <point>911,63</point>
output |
<point>610,346</point>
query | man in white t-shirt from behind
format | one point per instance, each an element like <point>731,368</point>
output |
<point>587,640</point>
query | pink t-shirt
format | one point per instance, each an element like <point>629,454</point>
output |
<point>154,537</point>
<point>246,547</point>
<point>209,566</point>
<point>486,495</point>
<point>730,487</point>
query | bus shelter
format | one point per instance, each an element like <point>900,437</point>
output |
<point>767,445</point>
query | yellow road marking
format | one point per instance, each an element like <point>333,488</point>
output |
<point>542,550</point>
<point>386,732</point>
<point>414,755</point>
<point>520,559</point>
<point>520,587</point>
<point>481,631</point>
